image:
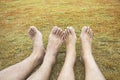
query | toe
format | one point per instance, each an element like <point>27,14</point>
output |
<point>54,30</point>
<point>84,29</point>
<point>68,31</point>
<point>58,31</point>
<point>88,29</point>
<point>62,35</point>
<point>91,33</point>
<point>72,30</point>
<point>32,31</point>
<point>65,34</point>
<point>33,27</point>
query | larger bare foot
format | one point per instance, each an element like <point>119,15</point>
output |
<point>55,40</point>
<point>36,37</point>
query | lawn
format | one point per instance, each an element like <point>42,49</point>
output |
<point>103,16</point>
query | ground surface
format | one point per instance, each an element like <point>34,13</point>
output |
<point>102,15</point>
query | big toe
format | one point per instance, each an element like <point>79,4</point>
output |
<point>32,31</point>
<point>90,33</point>
<point>54,29</point>
<point>72,30</point>
<point>84,29</point>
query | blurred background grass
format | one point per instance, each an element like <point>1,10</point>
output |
<point>16,16</point>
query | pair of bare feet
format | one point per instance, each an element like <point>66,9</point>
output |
<point>56,38</point>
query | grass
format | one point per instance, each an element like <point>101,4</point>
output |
<point>102,15</point>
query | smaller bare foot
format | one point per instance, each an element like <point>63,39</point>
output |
<point>55,40</point>
<point>36,37</point>
<point>86,39</point>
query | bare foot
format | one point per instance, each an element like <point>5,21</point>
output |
<point>70,41</point>
<point>54,43</point>
<point>67,72</point>
<point>55,40</point>
<point>91,68</point>
<point>36,37</point>
<point>86,34</point>
<point>86,39</point>
<point>70,36</point>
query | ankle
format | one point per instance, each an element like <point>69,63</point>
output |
<point>49,60</point>
<point>69,65</point>
<point>70,60</point>
<point>88,59</point>
<point>37,54</point>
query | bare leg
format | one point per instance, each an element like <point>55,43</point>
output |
<point>92,72</point>
<point>21,70</point>
<point>67,72</point>
<point>54,43</point>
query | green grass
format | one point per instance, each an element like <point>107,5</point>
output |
<point>102,15</point>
